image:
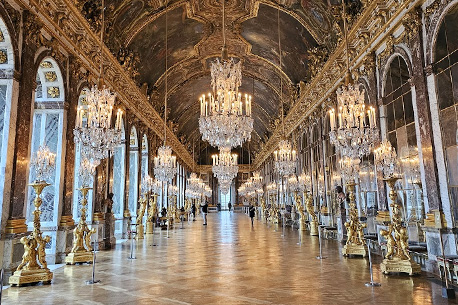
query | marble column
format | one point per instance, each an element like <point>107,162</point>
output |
<point>16,224</point>
<point>127,217</point>
<point>423,125</point>
<point>66,224</point>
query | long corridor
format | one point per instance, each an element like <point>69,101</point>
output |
<point>226,262</point>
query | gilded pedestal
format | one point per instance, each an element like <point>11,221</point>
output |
<point>397,265</point>
<point>356,244</point>
<point>397,258</point>
<point>33,268</point>
<point>81,250</point>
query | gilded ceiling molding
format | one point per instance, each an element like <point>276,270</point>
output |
<point>377,19</point>
<point>66,24</point>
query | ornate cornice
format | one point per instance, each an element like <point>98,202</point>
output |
<point>62,19</point>
<point>377,19</point>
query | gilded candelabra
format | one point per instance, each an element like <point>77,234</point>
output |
<point>300,210</point>
<point>263,207</point>
<point>273,211</point>
<point>313,218</point>
<point>397,258</point>
<point>139,221</point>
<point>33,267</point>
<point>81,250</point>
<point>152,212</point>
<point>356,244</point>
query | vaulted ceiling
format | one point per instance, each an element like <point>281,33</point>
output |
<point>136,34</point>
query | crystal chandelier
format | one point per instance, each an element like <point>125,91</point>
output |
<point>86,172</point>
<point>271,188</point>
<point>349,168</point>
<point>354,131</point>
<point>225,117</point>
<point>252,187</point>
<point>285,159</point>
<point>224,185</point>
<point>285,156</point>
<point>225,165</point>
<point>353,127</point>
<point>411,166</point>
<point>43,163</point>
<point>386,159</point>
<point>165,165</point>
<point>93,129</point>
<point>305,182</point>
<point>173,190</point>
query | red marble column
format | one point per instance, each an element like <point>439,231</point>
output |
<point>431,186</point>
<point>21,158</point>
<point>69,156</point>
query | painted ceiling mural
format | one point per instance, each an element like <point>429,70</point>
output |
<point>136,35</point>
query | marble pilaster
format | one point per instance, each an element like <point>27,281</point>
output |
<point>423,124</point>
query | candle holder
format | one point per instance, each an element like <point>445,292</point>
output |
<point>139,221</point>
<point>397,258</point>
<point>81,250</point>
<point>313,217</point>
<point>34,268</point>
<point>356,244</point>
<point>152,212</point>
<point>300,210</point>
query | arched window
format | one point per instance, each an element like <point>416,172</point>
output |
<point>400,122</point>
<point>446,71</point>
<point>119,178</point>
<point>399,110</point>
<point>47,128</point>
<point>133,171</point>
<point>77,197</point>
<point>144,164</point>
<point>6,92</point>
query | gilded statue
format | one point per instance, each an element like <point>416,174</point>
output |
<point>29,258</point>
<point>309,207</point>
<point>81,249</point>
<point>141,211</point>
<point>397,258</point>
<point>152,211</point>
<point>299,206</point>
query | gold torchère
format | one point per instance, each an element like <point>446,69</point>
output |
<point>263,207</point>
<point>300,210</point>
<point>273,209</point>
<point>81,250</point>
<point>152,212</point>
<point>139,220</point>
<point>356,244</point>
<point>397,258</point>
<point>30,270</point>
<point>313,217</point>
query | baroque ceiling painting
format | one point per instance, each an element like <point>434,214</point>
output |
<point>136,35</point>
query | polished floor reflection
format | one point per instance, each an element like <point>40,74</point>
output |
<point>227,262</point>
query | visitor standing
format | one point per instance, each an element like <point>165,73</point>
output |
<point>252,212</point>
<point>204,213</point>
<point>229,206</point>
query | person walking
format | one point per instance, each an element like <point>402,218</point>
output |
<point>229,205</point>
<point>204,213</point>
<point>252,213</point>
<point>193,211</point>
